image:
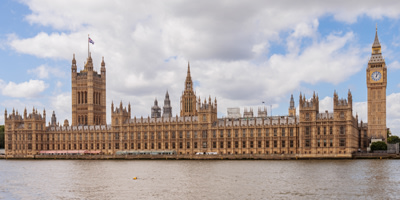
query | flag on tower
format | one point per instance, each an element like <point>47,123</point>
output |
<point>91,41</point>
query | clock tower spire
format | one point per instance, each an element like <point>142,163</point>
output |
<point>376,83</point>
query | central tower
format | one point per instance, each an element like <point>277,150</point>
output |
<point>188,99</point>
<point>376,84</point>
<point>88,94</point>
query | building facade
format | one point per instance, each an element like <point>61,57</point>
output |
<point>311,133</point>
<point>88,94</point>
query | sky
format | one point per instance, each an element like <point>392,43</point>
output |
<point>241,52</point>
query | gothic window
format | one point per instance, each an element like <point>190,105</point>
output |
<point>195,145</point>
<point>319,143</point>
<point>291,143</point>
<point>188,134</point>
<point>341,115</point>
<point>342,130</point>
<point>79,97</point>
<point>330,130</point>
<point>283,143</point>
<point>283,132</point>
<point>244,133</point>
<point>267,143</point>
<point>308,143</point>
<point>236,133</point>
<point>229,133</point>
<point>342,142</point>
<point>195,134</point>
<point>166,145</point>
<point>291,131</point>
<point>204,134</point>
<point>307,116</point>
<point>229,145</point>
<point>166,135</point>
<point>275,132</point>
<point>307,130</point>
<point>214,133</point>
<point>267,132</point>
<point>318,130</point>
<point>221,133</point>
<point>324,143</point>
<point>221,145</point>
<point>324,130</point>
<point>251,133</point>
<point>275,144</point>
<point>259,132</point>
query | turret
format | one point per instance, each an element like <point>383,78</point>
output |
<point>292,108</point>
<point>73,66</point>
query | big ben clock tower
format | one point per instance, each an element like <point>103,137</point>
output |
<point>376,84</point>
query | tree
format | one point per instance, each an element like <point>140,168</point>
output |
<point>2,137</point>
<point>393,139</point>
<point>378,146</point>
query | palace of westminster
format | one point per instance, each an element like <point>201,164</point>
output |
<point>198,129</point>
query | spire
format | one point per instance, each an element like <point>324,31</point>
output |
<point>103,64</point>
<point>291,102</point>
<point>188,82</point>
<point>188,71</point>
<point>73,60</point>
<point>376,41</point>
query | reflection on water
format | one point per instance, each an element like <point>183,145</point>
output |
<point>306,179</point>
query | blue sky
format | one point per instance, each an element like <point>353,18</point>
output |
<point>241,53</point>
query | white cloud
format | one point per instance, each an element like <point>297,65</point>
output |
<point>44,72</point>
<point>226,42</point>
<point>29,89</point>
<point>326,104</point>
<point>61,104</point>
<point>394,65</point>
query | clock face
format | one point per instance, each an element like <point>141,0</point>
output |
<point>376,76</point>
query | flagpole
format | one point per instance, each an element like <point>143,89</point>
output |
<point>88,45</point>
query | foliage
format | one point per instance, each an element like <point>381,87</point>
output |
<point>378,146</point>
<point>2,137</point>
<point>393,139</point>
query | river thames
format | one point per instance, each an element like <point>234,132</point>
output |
<point>190,179</point>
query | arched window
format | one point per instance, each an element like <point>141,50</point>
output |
<point>79,96</point>
<point>85,119</point>
<point>79,119</point>
<point>85,97</point>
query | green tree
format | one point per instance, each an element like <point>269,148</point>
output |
<point>378,146</point>
<point>393,139</point>
<point>2,137</point>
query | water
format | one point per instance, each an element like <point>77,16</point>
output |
<point>159,179</point>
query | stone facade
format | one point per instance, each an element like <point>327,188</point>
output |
<point>376,84</point>
<point>198,129</point>
<point>88,94</point>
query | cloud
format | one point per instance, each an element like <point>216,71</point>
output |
<point>228,44</point>
<point>394,65</point>
<point>29,89</point>
<point>45,72</point>
<point>61,104</point>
